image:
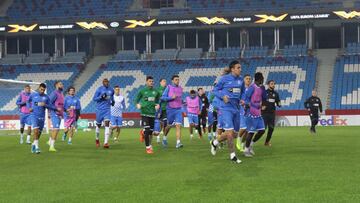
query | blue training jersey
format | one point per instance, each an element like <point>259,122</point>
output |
<point>231,86</point>
<point>103,97</point>
<point>38,103</point>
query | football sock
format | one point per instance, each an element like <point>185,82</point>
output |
<point>107,134</point>
<point>97,131</point>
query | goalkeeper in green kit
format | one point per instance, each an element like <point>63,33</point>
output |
<point>147,100</point>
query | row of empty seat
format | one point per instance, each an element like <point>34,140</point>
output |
<point>227,52</point>
<point>223,6</point>
<point>35,10</point>
<point>346,83</point>
<point>41,58</point>
<point>48,73</point>
<point>295,50</point>
<point>295,76</point>
<point>353,48</point>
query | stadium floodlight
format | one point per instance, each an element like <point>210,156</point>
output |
<point>10,90</point>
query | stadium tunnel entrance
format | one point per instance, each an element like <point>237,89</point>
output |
<point>327,37</point>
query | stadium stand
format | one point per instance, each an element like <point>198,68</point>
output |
<point>295,50</point>
<point>48,73</point>
<point>346,83</point>
<point>37,58</point>
<point>165,54</point>
<point>12,59</point>
<point>295,77</point>
<point>188,53</point>
<point>126,55</point>
<point>72,57</point>
<point>58,9</point>
<point>256,51</point>
<point>222,6</point>
<point>353,48</point>
<point>230,52</point>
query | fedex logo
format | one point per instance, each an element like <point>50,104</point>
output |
<point>333,121</point>
<point>7,125</point>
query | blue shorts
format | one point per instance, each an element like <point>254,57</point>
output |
<point>193,118</point>
<point>25,119</point>
<point>116,121</point>
<point>231,119</point>
<point>242,122</point>
<point>102,115</point>
<point>55,121</point>
<point>174,116</point>
<point>220,124</point>
<point>157,126</point>
<point>211,118</point>
<point>254,124</point>
<point>37,122</point>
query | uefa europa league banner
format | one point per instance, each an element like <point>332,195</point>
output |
<point>129,24</point>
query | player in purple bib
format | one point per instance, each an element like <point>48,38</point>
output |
<point>24,114</point>
<point>193,108</point>
<point>72,108</point>
<point>57,100</point>
<point>254,96</point>
<point>240,144</point>
<point>173,96</point>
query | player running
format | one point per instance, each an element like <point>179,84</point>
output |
<point>204,111</point>
<point>313,105</point>
<point>229,90</point>
<point>37,103</point>
<point>163,118</point>
<point>57,100</point>
<point>240,143</point>
<point>268,110</point>
<point>173,96</point>
<point>104,98</point>
<point>147,100</point>
<point>254,96</point>
<point>212,116</point>
<point>25,120</point>
<point>116,113</point>
<point>193,108</point>
<point>72,108</point>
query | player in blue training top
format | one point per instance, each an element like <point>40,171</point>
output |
<point>37,103</point>
<point>104,98</point>
<point>229,90</point>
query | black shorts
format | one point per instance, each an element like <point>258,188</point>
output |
<point>269,119</point>
<point>163,116</point>
<point>202,119</point>
<point>148,122</point>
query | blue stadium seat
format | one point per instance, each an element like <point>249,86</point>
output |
<point>48,73</point>
<point>346,83</point>
<point>295,77</point>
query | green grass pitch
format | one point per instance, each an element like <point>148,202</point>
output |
<point>298,168</point>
